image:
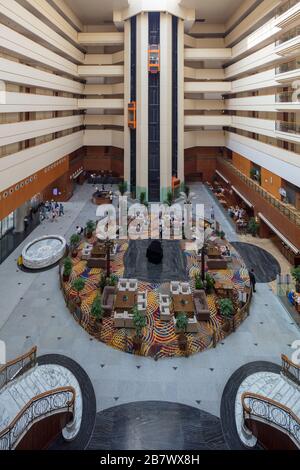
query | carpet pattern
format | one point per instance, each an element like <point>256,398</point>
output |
<point>159,337</point>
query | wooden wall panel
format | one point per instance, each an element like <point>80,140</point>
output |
<point>271,182</point>
<point>200,163</point>
<point>241,163</point>
<point>104,158</point>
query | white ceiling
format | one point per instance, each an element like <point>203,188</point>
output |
<point>97,11</point>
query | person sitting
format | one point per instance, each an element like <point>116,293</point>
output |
<point>291,297</point>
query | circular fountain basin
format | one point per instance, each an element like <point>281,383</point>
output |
<point>44,251</point>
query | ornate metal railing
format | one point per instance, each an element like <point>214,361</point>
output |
<point>12,368</point>
<point>58,400</point>
<point>290,370</point>
<point>270,411</point>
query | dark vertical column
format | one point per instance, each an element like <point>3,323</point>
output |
<point>133,98</point>
<point>174,95</point>
<point>154,117</point>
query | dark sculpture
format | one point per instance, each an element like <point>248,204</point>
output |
<point>155,252</point>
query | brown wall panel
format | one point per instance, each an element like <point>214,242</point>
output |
<point>104,158</point>
<point>200,163</point>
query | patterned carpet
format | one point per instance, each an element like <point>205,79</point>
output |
<point>159,337</point>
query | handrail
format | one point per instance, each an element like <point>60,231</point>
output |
<point>285,7</point>
<point>39,406</point>
<point>8,370</point>
<point>288,66</point>
<point>288,97</point>
<point>271,412</point>
<point>288,127</point>
<point>291,34</point>
<point>290,370</point>
<point>294,216</point>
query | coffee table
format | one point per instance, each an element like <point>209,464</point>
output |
<point>184,303</point>
<point>124,300</point>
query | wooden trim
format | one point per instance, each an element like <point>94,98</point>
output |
<point>19,359</point>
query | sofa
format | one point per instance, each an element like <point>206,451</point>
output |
<point>108,299</point>
<point>201,306</point>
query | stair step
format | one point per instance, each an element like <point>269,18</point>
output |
<point>294,402</point>
<point>18,397</point>
<point>281,388</point>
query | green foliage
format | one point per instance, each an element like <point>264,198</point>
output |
<point>97,309</point>
<point>169,200</point>
<point>209,283</point>
<point>226,307</point>
<point>103,281</point>
<point>143,197</point>
<point>295,272</point>
<point>67,266</point>
<point>78,284</point>
<point>123,187</point>
<point>139,321</point>
<point>253,226</point>
<point>182,322</point>
<point>75,239</point>
<point>113,280</point>
<point>198,282</point>
<point>90,226</point>
<point>222,234</point>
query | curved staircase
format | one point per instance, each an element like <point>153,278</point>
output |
<point>270,399</point>
<point>30,392</point>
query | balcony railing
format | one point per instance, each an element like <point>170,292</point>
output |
<point>291,34</point>
<point>293,216</point>
<point>288,127</point>
<point>290,370</point>
<point>288,66</point>
<point>272,412</point>
<point>10,370</point>
<point>285,7</point>
<point>58,400</point>
<point>288,97</point>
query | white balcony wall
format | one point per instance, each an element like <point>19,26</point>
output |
<point>289,16</point>
<point>252,103</point>
<point>104,59</point>
<point>20,165</point>
<point>27,102</point>
<point>66,11</point>
<point>207,54</point>
<point>13,12</point>
<point>106,89</point>
<point>198,43</point>
<point>256,81</point>
<point>101,39</point>
<point>262,58</point>
<point>275,159</point>
<point>289,48</point>
<point>101,104</point>
<point>104,120</point>
<point>21,46</point>
<point>104,137</point>
<point>208,105</point>
<point>101,70</point>
<point>204,74</point>
<point>204,139</point>
<point>196,121</point>
<point>15,72</point>
<point>18,131</point>
<point>207,87</point>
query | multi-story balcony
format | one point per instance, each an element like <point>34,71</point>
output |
<point>288,128</point>
<point>289,43</point>
<point>288,100</point>
<point>287,13</point>
<point>288,71</point>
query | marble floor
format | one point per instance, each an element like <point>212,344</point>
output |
<point>33,312</point>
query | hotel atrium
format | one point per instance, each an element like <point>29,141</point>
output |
<point>149,225</point>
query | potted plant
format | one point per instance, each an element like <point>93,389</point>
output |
<point>102,282</point>
<point>226,311</point>
<point>123,187</point>
<point>78,285</point>
<point>209,283</point>
<point>67,269</point>
<point>198,282</point>
<point>143,198</point>
<point>139,322</point>
<point>181,325</point>
<point>169,200</point>
<point>97,311</point>
<point>112,280</point>
<point>295,272</point>
<point>89,228</point>
<point>253,226</point>
<point>74,242</point>
<point>222,235</point>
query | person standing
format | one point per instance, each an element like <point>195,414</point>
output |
<point>252,279</point>
<point>212,213</point>
<point>61,209</point>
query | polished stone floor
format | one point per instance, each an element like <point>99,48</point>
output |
<point>156,425</point>
<point>172,267</point>
<point>33,311</point>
